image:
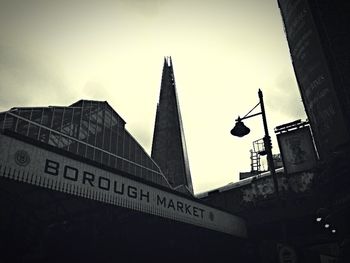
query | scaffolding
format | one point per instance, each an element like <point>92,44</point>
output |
<point>255,155</point>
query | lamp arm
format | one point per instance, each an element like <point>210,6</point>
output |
<point>252,109</point>
<point>247,117</point>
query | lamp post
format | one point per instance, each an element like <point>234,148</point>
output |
<point>241,130</point>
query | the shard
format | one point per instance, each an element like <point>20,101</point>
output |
<point>169,146</point>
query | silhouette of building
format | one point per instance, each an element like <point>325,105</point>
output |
<point>319,38</point>
<point>169,146</point>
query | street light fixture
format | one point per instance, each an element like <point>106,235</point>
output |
<point>241,130</point>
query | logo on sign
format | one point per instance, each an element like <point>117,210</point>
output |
<point>22,158</point>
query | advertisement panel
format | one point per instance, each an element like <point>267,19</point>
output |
<point>30,164</point>
<point>297,150</point>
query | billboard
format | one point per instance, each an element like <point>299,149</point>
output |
<point>297,150</point>
<point>313,76</point>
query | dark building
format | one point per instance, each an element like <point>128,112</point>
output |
<point>319,38</point>
<point>169,146</point>
<point>308,220</point>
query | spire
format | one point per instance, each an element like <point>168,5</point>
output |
<point>168,62</point>
<point>169,146</point>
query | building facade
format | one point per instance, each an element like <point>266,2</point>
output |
<point>318,37</point>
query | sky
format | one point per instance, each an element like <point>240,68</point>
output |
<point>223,51</point>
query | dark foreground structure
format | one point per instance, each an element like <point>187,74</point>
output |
<point>309,220</point>
<point>318,37</point>
<point>40,224</point>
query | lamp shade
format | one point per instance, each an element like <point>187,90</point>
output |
<point>240,129</point>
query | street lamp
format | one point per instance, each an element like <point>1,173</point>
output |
<point>241,130</point>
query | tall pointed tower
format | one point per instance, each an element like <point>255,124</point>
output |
<point>169,146</point>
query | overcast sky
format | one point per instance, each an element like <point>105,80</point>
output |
<point>223,51</point>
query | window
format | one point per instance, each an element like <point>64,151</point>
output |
<point>2,120</point>
<point>113,146</point>
<point>138,171</point>
<point>36,115</point>
<point>114,122</point>
<point>54,139</point>
<point>92,130</point>
<point>57,119</point>
<point>99,139</point>
<point>67,127</point>
<point>100,128</point>
<point>105,158</point>
<point>125,166</point>
<point>10,122</point>
<point>22,127</point>
<point>107,139</point>
<point>132,149</point>
<point>120,141</point>
<point>112,161</point>
<point>119,164</point>
<point>126,154</point>
<point>65,142</point>
<point>44,135</point>
<point>46,118</point>
<point>25,113</point>
<point>84,127</point>
<point>138,154</point>
<point>98,155</point>
<point>107,119</point>
<point>73,146</point>
<point>81,149</point>
<point>90,152</point>
<point>33,131</point>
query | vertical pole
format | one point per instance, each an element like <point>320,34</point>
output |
<point>267,144</point>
